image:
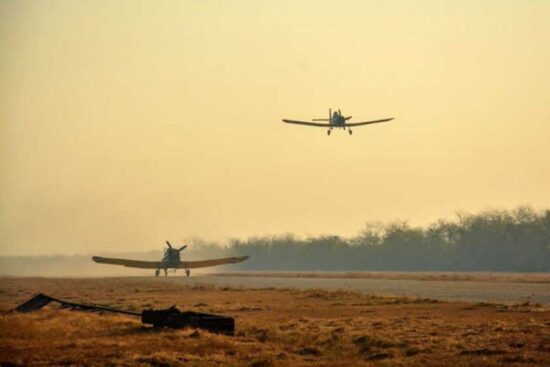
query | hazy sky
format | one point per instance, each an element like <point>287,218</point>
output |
<point>124,123</point>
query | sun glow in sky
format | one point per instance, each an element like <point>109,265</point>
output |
<point>129,122</point>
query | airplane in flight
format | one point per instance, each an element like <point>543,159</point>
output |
<point>171,260</point>
<point>336,121</point>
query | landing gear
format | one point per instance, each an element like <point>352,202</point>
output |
<point>188,272</point>
<point>157,272</point>
<point>350,132</point>
<point>165,272</point>
<point>328,132</point>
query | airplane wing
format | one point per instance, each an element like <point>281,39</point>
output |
<point>367,122</point>
<point>305,123</point>
<point>213,262</point>
<point>129,263</point>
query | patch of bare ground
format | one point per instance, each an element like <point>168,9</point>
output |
<point>274,328</point>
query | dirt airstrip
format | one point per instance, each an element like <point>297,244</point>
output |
<point>275,327</point>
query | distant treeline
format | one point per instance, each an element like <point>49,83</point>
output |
<point>517,240</point>
<point>514,241</point>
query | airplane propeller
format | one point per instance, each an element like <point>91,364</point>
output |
<point>179,249</point>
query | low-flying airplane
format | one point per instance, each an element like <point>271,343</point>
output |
<point>171,260</point>
<point>336,121</point>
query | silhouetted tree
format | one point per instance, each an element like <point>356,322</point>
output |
<point>496,240</point>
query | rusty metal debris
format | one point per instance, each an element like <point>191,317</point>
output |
<point>35,303</point>
<point>174,318</point>
<point>170,318</point>
<point>41,300</point>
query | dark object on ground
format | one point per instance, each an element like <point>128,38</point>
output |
<point>35,303</point>
<point>171,317</point>
<point>174,318</point>
<point>41,300</point>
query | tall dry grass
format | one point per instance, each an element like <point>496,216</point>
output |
<point>274,328</point>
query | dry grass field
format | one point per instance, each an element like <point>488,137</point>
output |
<point>274,328</point>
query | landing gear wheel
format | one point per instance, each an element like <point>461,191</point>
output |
<point>328,132</point>
<point>350,132</point>
<point>188,272</point>
<point>157,272</point>
<point>165,272</point>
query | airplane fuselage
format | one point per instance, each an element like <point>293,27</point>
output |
<point>171,258</point>
<point>337,120</point>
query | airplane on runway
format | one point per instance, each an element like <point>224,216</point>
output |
<point>171,260</point>
<point>336,121</point>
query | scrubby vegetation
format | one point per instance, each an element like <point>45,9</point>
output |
<point>517,240</point>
